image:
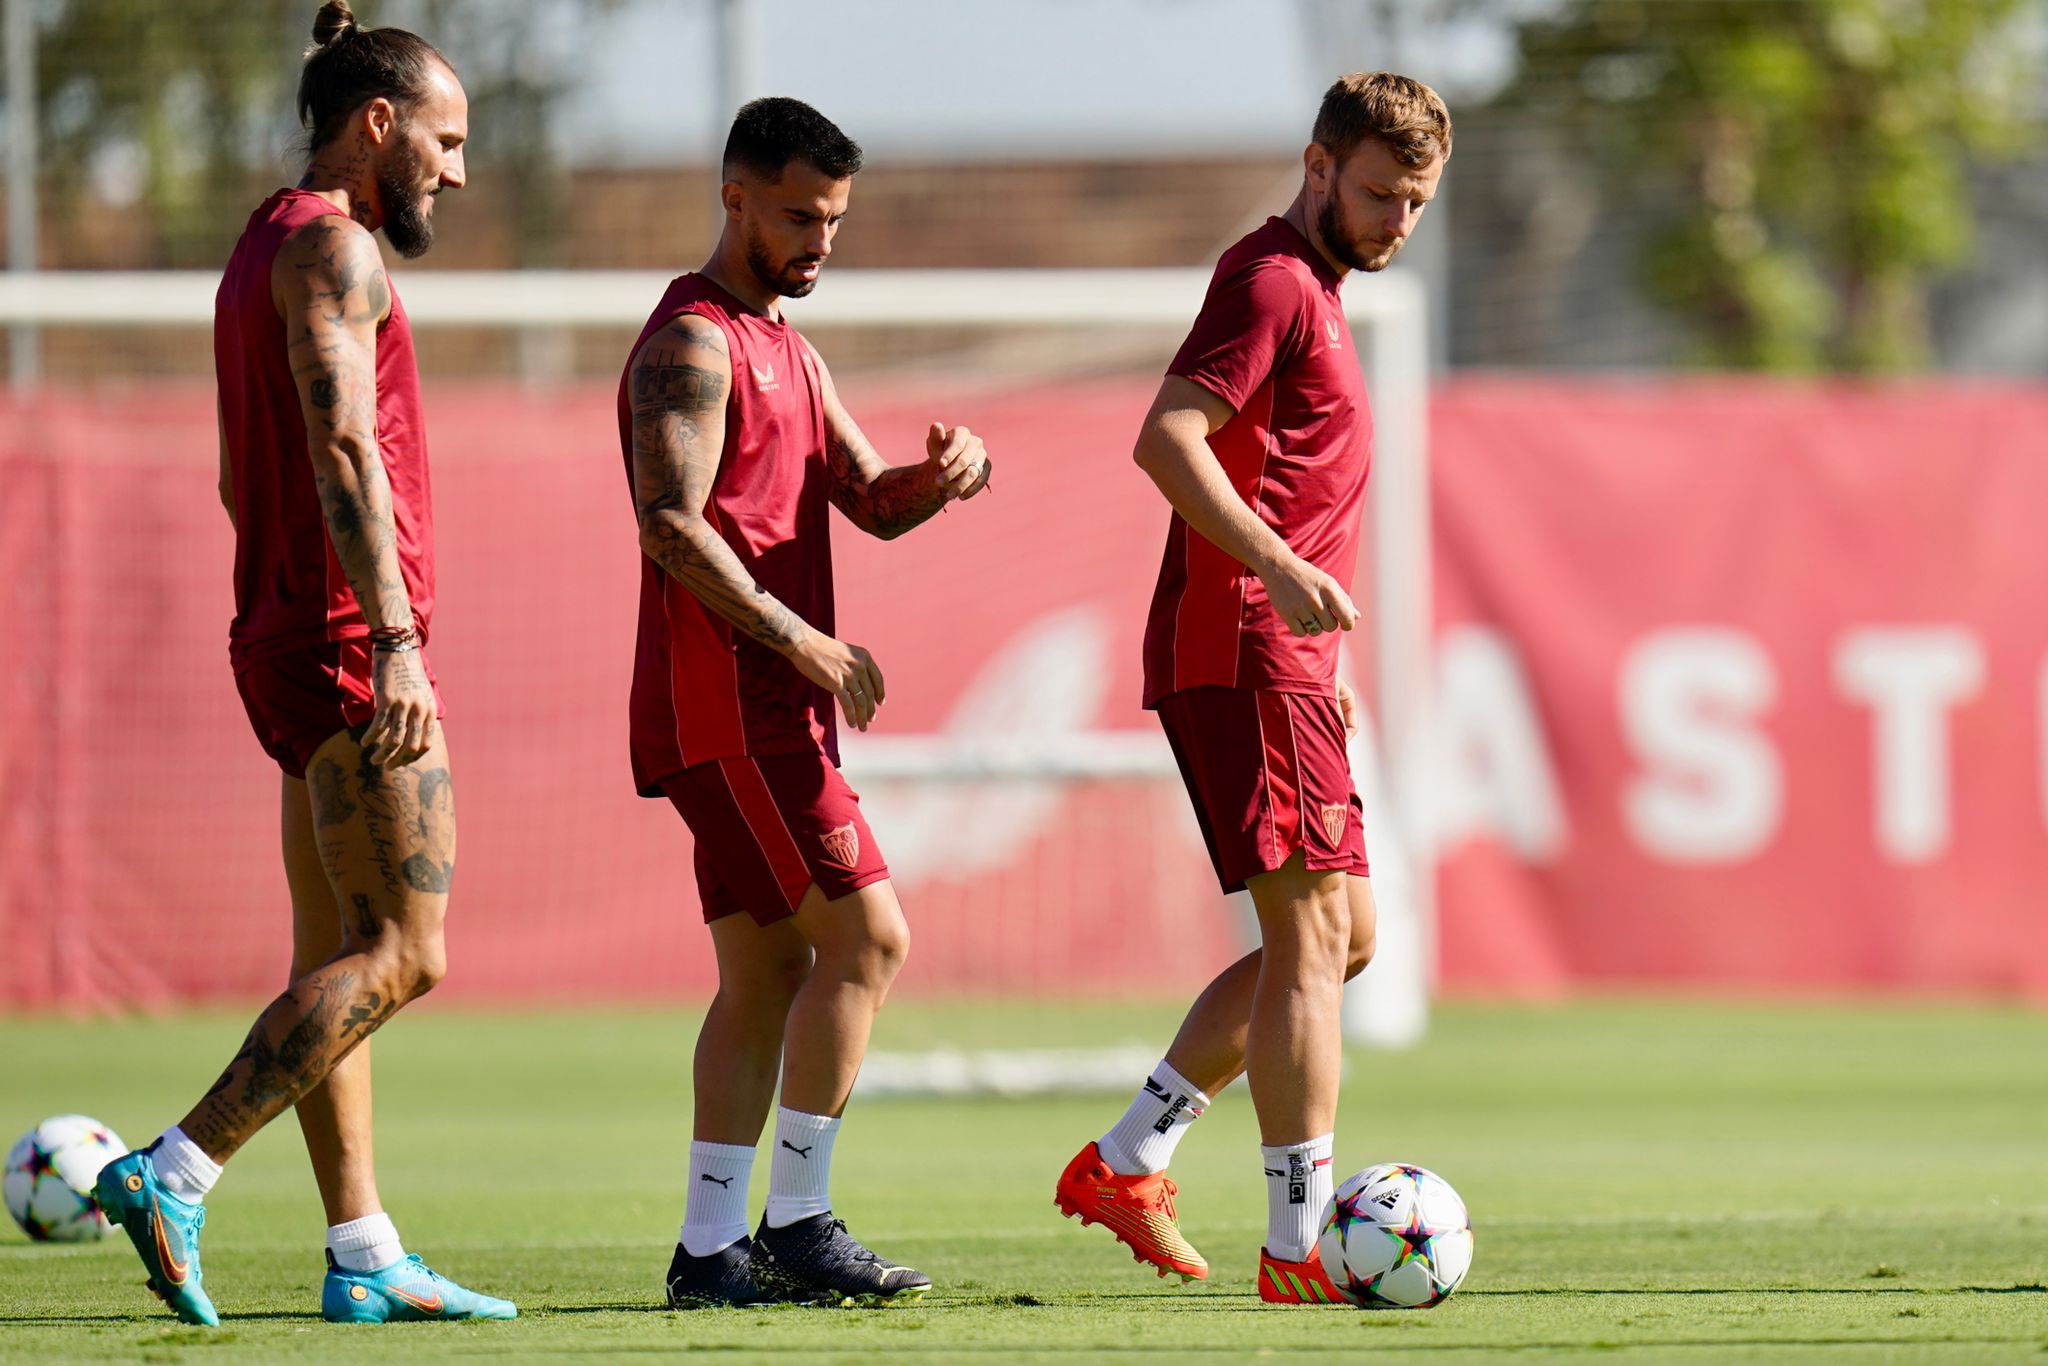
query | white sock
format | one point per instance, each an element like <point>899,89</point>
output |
<point>1142,1142</point>
<point>799,1179</point>
<point>1298,1185</point>
<point>715,1208</point>
<point>183,1166</point>
<point>366,1244</point>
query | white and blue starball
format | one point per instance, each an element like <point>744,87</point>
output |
<point>50,1176</point>
<point>1395,1236</point>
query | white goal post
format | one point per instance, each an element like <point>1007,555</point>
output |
<point>1388,312</point>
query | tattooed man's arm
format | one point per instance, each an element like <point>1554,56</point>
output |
<point>332,292</point>
<point>887,500</point>
<point>330,288</point>
<point>677,392</point>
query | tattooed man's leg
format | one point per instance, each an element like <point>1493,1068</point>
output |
<point>386,841</point>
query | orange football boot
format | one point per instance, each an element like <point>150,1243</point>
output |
<point>1137,1209</point>
<point>1296,1282</point>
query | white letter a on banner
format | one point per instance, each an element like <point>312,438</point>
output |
<point>1494,777</point>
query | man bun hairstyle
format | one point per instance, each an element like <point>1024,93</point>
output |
<point>334,19</point>
<point>349,65</point>
<point>1403,113</point>
<point>767,134</point>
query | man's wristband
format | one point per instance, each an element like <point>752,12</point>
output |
<point>393,640</point>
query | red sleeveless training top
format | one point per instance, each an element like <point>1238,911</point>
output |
<point>290,591</point>
<point>701,689</point>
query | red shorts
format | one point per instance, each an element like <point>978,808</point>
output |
<point>768,827</point>
<point>300,699</point>
<point>1268,773</point>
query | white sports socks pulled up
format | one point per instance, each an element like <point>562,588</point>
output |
<point>1142,1142</point>
<point>366,1244</point>
<point>183,1166</point>
<point>1298,1185</point>
<point>799,1177</point>
<point>715,1208</point>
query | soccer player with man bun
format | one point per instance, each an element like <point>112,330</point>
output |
<point>1260,439</point>
<point>324,476</point>
<point>735,443</point>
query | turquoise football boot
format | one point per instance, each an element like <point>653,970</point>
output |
<point>406,1291</point>
<point>164,1229</point>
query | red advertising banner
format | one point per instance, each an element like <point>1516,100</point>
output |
<point>1739,686</point>
<point>1742,685</point>
<point>138,832</point>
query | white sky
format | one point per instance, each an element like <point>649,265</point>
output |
<point>992,77</point>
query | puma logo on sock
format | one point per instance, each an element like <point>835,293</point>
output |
<point>707,1176</point>
<point>1165,1121</point>
<point>804,1153</point>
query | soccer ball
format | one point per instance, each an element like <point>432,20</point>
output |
<point>1395,1236</point>
<point>50,1177</point>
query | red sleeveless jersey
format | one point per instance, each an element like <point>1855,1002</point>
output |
<point>1272,342</point>
<point>702,689</point>
<point>290,591</point>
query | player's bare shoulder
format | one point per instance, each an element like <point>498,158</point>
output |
<point>683,366</point>
<point>686,332</point>
<point>332,265</point>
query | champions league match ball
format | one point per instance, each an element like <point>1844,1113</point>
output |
<point>50,1177</point>
<point>1395,1236</point>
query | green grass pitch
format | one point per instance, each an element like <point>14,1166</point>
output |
<point>1677,1182</point>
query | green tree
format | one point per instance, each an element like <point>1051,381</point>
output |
<point>1823,150</point>
<point>198,101</point>
<point>183,96</point>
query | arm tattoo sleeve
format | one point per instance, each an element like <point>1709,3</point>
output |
<point>678,410</point>
<point>335,294</point>
<point>882,500</point>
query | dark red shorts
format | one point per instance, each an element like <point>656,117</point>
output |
<point>767,827</point>
<point>1268,773</point>
<point>300,699</point>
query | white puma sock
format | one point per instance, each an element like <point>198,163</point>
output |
<point>715,1208</point>
<point>799,1178</point>
<point>183,1166</point>
<point>1297,1187</point>
<point>366,1244</point>
<point>1142,1142</point>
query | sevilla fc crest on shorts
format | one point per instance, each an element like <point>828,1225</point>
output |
<point>842,845</point>
<point>1334,818</point>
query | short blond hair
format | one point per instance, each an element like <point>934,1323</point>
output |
<point>1401,112</point>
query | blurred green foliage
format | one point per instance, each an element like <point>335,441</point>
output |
<point>186,110</point>
<point>166,105</point>
<point>1820,150</point>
